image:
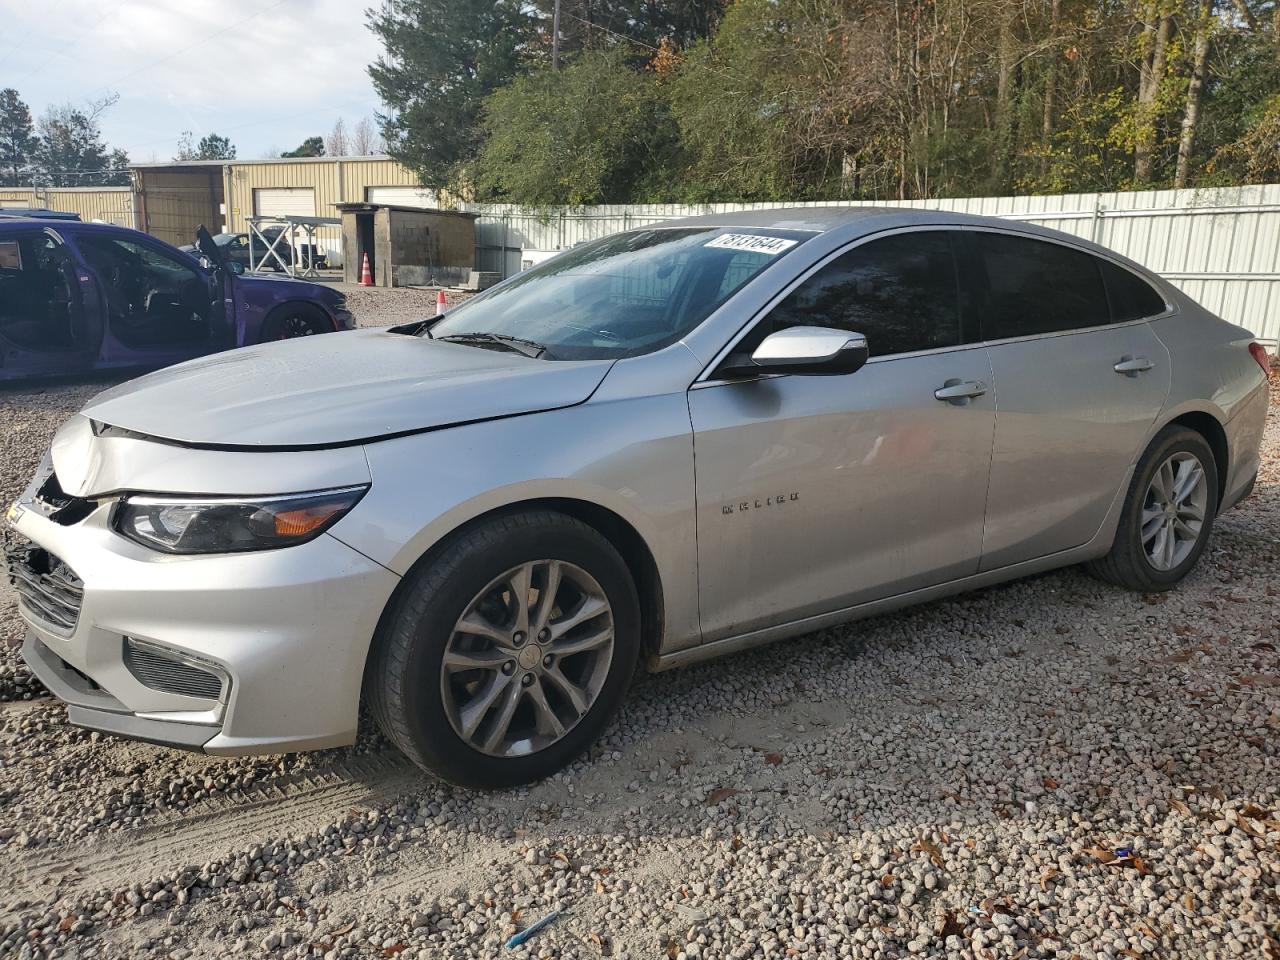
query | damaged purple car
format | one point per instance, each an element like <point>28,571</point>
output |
<point>76,297</point>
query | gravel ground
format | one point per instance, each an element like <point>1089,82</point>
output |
<point>1050,768</point>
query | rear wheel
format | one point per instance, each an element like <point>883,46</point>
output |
<point>1167,515</point>
<point>506,656</point>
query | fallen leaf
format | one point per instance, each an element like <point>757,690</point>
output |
<point>673,949</point>
<point>950,926</point>
<point>1254,812</point>
<point>773,758</point>
<point>736,842</point>
<point>601,943</point>
<point>888,880</point>
<point>1260,680</point>
<point>1103,856</point>
<point>395,948</point>
<point>1047,876</point>
<point>1050,783</point>
<point>924,844</point>
<point>722,793</point>
<point>1181,807</point>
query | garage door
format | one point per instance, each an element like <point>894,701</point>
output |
<point>401,196</point>
<point>284,202</point>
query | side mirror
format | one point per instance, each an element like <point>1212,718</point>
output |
<point>236,267</point>
<point>813,351</point>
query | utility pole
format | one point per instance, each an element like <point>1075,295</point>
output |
<point>555,36</point>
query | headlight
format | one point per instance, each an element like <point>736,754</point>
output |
<point>231,524</point>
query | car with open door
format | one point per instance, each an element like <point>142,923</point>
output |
<point>78,297</point>
<point>657,447</point>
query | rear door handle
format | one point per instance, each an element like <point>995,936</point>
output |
<point>1132,366</point>
<point>960,392</point>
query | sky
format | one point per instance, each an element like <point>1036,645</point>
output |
<point>267,74</point>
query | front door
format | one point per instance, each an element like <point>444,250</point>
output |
<point>820,492</point>
<point>160,307</point>
<point>1081,379</point>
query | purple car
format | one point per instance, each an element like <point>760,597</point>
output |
<point>76,297</point>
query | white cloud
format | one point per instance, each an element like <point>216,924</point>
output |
<point>263,72</point>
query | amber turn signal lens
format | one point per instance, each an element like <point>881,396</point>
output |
<point>299,523</point>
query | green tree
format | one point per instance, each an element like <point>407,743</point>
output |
<point>747,100</point>
<point>310,147</point>
<point>71,151</point>
<point>211,147</point>
<point>17,138</point>
<point>597,131</point>
<point>441,59</point>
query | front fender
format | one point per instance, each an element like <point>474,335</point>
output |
<point>633,457</point>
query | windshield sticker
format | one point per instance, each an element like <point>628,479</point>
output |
<point>746,241</point>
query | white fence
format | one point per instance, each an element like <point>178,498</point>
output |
<point>1221,245</point>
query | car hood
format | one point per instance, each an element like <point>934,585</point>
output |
<point>338,389</point>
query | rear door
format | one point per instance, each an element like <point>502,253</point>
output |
<point>1080,379</point>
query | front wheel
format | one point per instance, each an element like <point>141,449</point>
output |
<point>1167,515</point>
<point>504,657</point>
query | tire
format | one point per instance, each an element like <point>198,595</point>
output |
<point>1130,564</point>
<point>295,320</point>
<point>420,704</point>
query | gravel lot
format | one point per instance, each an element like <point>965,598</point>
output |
<point>1051,768</point>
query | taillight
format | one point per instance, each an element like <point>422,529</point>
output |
<point>1260,354</point>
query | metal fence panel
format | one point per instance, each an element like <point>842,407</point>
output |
<point>1221,246</point>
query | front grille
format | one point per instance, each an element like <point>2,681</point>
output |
<point>49,592</point>
<point>153,668</point>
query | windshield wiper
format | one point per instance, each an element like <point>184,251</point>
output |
<point>530,348</point>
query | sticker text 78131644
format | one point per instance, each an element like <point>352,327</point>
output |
<point>746,241</point>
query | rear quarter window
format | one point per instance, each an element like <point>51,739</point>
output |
<point>1132,298</point>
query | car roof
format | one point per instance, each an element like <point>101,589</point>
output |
<point>860,221</point>
<point>37,213</point>
<point>13,224</point>
<point>820,219</point>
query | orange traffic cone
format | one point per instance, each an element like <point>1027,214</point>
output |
<point>366,275</point>
<point>440,304</point>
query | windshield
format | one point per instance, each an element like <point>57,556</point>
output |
<point>622,296</point>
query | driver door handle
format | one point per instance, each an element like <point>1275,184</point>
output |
<point>958,392</point>
<point>1132,366</point>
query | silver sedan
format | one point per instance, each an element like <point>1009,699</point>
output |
<point>672,443</point>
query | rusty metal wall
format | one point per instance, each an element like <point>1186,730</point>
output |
<point>1221,246</point>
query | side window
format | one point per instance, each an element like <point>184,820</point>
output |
<point>1035,287</point>
<point>899,292</point>
<point>1132,298</point>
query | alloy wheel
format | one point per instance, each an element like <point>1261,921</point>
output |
<point>528,658</point>
<point>297,325</point>
<point>1174,510</point>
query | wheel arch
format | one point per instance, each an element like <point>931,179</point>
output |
<point>1215,434</point>
<point>620,533</point>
